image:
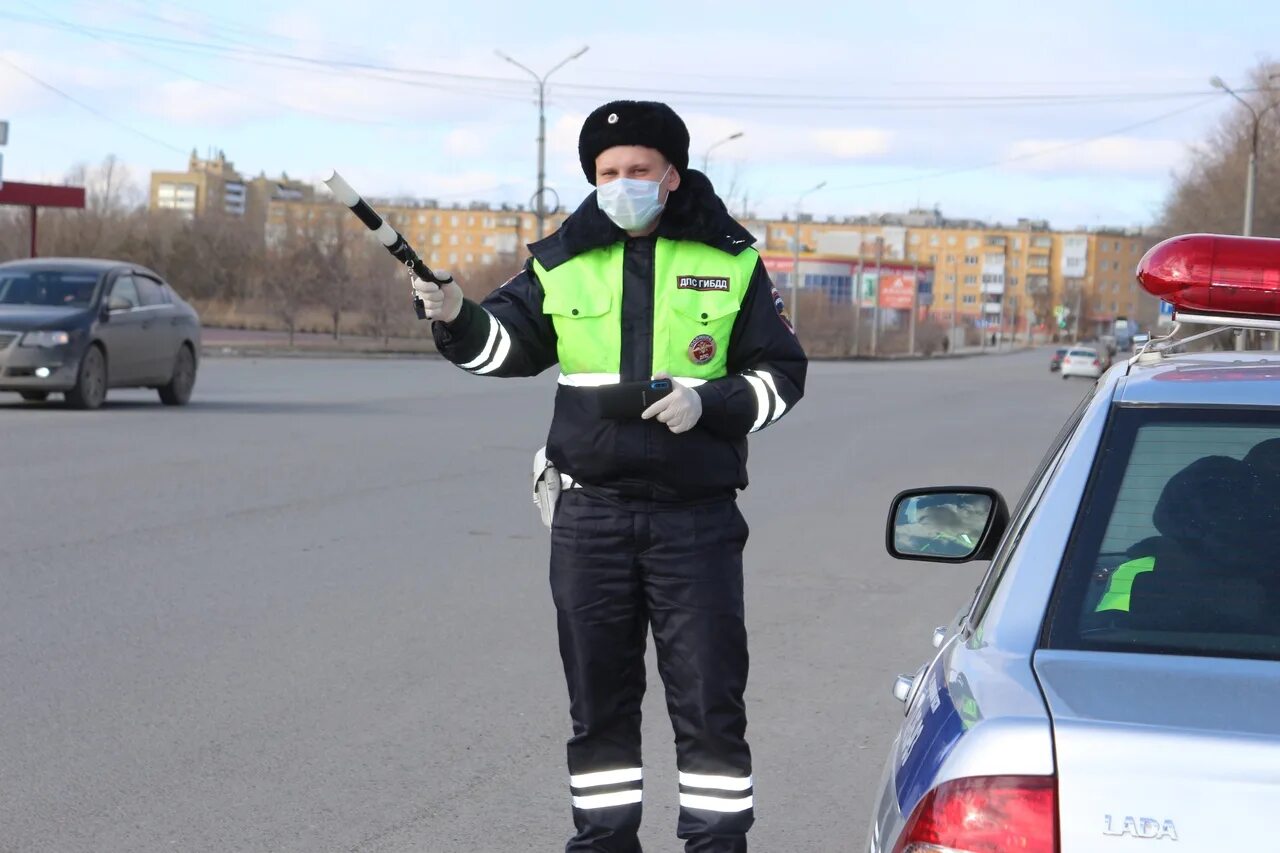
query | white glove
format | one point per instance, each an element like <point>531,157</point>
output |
<point>443,303</point>
<point>679,410</point>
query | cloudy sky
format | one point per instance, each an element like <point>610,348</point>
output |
<point>1075,112</point>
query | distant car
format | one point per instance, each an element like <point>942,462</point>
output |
<point>80,326</point>
<point>1082,361</point>
<point>1055,360</point>
<point>1112,684</point>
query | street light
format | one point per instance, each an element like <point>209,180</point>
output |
<point>706,156</point>
<point>795,269</point>
<point>1250,181</point>
<point>1251,178</point>
<point>541,207</point>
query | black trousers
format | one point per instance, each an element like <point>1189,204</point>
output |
<point>615,573</point>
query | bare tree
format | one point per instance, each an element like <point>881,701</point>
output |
<point>333,288</point>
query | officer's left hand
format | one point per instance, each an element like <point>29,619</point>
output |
<point>679,410</point>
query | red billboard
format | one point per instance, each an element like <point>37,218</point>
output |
<point>897,290</point>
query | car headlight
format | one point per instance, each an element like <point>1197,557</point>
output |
<point>46,339</point>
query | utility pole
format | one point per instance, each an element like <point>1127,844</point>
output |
<point>915,307</point>
<point>1252,174</point>
<point>857,306</point>
<point>795,269</point>
<point>875,305</point>
<point>955,303</point>
<point>540,204</point>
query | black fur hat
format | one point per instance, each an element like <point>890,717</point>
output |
<point>648,123</point>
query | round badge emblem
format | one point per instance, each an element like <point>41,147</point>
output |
<point>613,118</point>
<point>702,349</point>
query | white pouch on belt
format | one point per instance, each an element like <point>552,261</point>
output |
<point>546,486</point>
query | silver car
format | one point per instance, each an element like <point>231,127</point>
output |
<point>1115,682</point>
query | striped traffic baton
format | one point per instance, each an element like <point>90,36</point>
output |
<point>388,236</point>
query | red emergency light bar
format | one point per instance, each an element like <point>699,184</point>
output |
<point>1211,274</point>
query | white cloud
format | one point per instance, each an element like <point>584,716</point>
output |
<point>467,142</point>
<point>853,144</point>
<point>1118,155</point>
<point>192,102</point>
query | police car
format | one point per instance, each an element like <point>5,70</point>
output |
<point>1115,682</point>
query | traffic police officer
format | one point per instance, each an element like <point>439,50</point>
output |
<point>649,277</point>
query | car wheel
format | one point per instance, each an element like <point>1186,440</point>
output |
<point>1064,376</point>
<point>91,382</point>
<point>178,390</point>
<point>34,396</point>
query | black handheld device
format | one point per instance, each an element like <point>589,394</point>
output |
<point>628,400</point>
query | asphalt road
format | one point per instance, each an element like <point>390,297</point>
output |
<point>310,611</point>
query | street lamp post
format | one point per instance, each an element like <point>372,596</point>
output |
<point>706,156</point>
<point>1252,175</point>
<point>540,208</point>
<point>795,269</point>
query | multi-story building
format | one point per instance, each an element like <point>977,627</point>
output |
<point>1017,277</point>
<point>1113,291</point>
<point>458,236</point>
<point>213,186</point>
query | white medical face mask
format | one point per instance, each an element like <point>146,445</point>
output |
<point>632,204</point>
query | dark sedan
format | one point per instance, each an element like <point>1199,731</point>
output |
<point>1055,360</point>
<point>80,326</point>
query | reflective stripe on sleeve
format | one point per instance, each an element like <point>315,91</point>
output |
<point>502,351</point>
<point>779,404</point>
<point>763,403</point>
<point>495,350</point>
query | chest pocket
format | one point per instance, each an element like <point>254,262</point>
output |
<point>699,326</point>
<point>588,335</point>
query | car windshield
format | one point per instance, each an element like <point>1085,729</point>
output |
<point>1062,352</point>
<point>1175,550</point>
<point>41,286</point>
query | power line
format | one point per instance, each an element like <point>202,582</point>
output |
<point>180,72</point>
<point>87,107</point>
<point>503,87</point>
<point>1030,155</point>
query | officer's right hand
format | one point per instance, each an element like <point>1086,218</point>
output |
<point>443,303</point>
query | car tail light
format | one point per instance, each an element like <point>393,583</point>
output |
<point>1096,363</point>
<point>1213,274</point>
<point>985,814</point>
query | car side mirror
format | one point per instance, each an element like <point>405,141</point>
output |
<point>946,524</point>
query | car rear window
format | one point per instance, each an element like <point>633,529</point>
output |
<point>1082,353</point>
<point>1175,547</point>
